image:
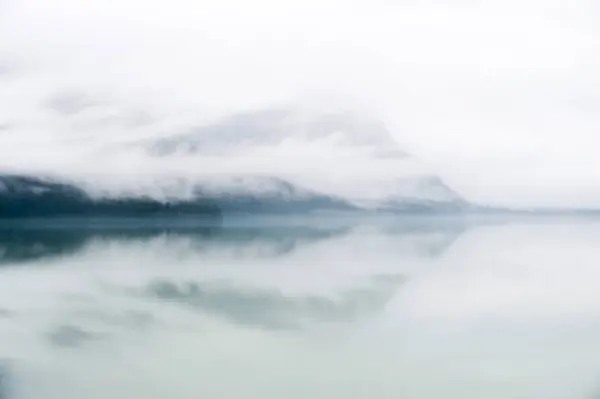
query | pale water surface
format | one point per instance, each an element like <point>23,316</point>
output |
<point>335,309</point>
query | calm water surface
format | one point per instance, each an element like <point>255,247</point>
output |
<point>332,309</point>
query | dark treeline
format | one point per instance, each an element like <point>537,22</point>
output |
<point>24,197</point>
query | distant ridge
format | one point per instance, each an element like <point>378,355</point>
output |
<point>33,197</point>
<point>30,197</point>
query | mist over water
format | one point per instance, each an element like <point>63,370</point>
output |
<point>128,111</point>
<point>333,308</point>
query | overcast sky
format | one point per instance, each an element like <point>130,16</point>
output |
<point>501,98</point>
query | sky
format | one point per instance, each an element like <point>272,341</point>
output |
<point>499,98</point>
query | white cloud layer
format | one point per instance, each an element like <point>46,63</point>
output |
<point>499,98</point>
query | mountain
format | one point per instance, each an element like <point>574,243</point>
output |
<point>36,197</point>
<point>344,130</point>
<point>284,160</point>
<point>27,197</point>
<point>422,194</point>
<point>271,127</point>
<point>267,195</point>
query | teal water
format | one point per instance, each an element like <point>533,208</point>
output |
<point>320,308</point>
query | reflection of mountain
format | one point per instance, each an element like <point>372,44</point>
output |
<point>256,273</point>
<point>271,309</point>
<point>5,381</point>
<point>39,239</point>
<point>108,280</point>
<point>23,245</point>
<point>20,244</point>
<point>63,238</point>
<point>433,237</point>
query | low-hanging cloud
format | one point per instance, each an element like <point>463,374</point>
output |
<point>498,99</point>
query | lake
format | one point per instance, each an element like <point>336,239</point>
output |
<point>332,308</point>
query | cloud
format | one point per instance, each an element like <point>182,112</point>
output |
<point>500,99</point>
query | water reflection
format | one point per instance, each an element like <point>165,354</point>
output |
<point>5,384</point>
<point>239,273</point>
<point>32,241</point>
<point>272,309</point>
<point>69,336</point>
<point>353,309</point>
<point>253,275</point>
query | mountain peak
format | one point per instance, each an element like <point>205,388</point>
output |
<point>273,126</point>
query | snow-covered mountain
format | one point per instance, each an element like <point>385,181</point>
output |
<point>26,196</point>
<point>272,127</point>
<point>267,195</point>
<point>353,157</point>
<point>421,193</point>
<point>279,160</point>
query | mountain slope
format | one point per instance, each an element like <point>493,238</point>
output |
<point>422,194</point>
<point>268,195</point>
<point>283,160</point>
<point>386,172</point>
<point>25,197</point>
<point>271,127</point>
